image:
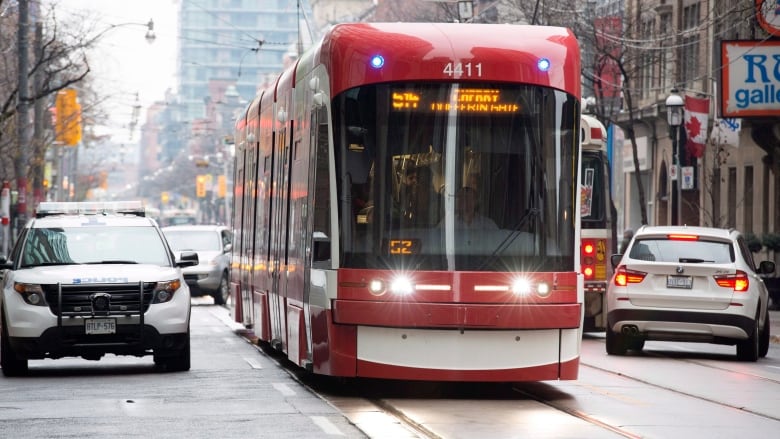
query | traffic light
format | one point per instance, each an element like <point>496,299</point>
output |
<point>200,186</point>
<point>68,117</point>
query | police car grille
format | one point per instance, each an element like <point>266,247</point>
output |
<point>124,299</point>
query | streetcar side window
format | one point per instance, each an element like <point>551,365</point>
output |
<point>321,244</point>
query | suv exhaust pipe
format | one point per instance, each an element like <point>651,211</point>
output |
<point>631,330</point>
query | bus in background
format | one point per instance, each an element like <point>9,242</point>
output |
<point>597,221</point>
<point>406,205</point>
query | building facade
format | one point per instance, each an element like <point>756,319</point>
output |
<point>723,183</point>
<point>243,42</point>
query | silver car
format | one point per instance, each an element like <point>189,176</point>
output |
<point>691,284</point>
<point>213,244</point>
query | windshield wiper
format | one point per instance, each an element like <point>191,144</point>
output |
<point>112,261</point>
<point>510,238</point>
<point>50,263</point>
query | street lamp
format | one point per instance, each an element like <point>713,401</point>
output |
<point>674,117</point>
<point>150,35</point>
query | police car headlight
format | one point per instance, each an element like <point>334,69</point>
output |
<point>164,291</point>
<point>32,294</point>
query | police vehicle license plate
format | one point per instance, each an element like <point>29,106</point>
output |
<point>100,326</point>
<point>679,282</point>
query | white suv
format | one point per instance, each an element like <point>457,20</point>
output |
<point>213,244</point>
<point>88,279</point>
<point>691,284</point>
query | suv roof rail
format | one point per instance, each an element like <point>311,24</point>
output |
<point>50,208</point>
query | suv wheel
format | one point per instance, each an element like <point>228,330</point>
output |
<point>616,343</point>
<point>174,360</point>
<point>222,293</point>
<point>12,365</point>
<point>747,350</point>
<point>763,339</point>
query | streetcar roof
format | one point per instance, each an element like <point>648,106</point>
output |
<point>505,53</point>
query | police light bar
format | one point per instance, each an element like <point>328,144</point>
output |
<point>49,208</point>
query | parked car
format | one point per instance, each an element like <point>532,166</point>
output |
<point>212,244</point>
<point>88,279</point>
<point>691,284</point>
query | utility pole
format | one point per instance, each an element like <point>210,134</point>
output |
<point>23,123</point>
<point>39,147</point>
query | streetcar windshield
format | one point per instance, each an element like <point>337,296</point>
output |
<point>456,177</point>
<point>595,190</point>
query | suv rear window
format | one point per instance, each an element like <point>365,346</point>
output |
<point>666,250</point>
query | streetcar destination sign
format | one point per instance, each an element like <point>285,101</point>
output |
<point>466,100</point>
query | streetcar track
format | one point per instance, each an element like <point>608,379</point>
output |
<point>398,417</point>
<point>405,420</point>
<point>577,414</point>
<point>688,394</point>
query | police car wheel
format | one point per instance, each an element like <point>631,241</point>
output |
<point>11,364</point>
<point>174,361</point>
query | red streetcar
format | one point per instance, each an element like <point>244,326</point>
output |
<point>407,205</point>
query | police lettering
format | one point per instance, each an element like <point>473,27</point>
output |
<point>99,280</point>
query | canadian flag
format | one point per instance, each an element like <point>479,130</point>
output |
<point>696,119</point>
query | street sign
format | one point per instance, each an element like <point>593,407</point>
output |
<point>687,177</point>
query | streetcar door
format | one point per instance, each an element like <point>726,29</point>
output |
<point>280,192</point>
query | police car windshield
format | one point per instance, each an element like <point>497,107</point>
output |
<point>82,245</point>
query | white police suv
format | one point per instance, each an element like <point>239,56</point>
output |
<point>88,279</point>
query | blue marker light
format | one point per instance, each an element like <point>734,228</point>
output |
<point>377,61</point>
<point>543,64</point>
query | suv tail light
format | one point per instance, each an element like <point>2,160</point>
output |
<point>738,281</point>
<point>624,276</point>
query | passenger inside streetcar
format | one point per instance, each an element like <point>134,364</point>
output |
<point>418,200</point>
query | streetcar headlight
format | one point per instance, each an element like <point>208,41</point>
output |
<point>543,64</point>
<point>32,294</point>
<point>402,285</point>
<point>524,287</point>
<point>521,287</point>
<point>376,287</point>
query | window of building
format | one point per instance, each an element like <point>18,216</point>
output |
<point>647,57</point>
<point>689,43</point>
<point>665,25</point>
<point>747,210</point>
<point>732,198</point>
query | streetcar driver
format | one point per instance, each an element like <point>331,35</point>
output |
<point>466,214</point>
